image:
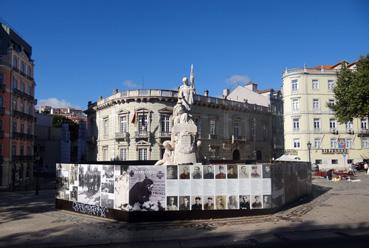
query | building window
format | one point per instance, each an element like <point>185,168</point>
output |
<point>348,143</point>
<point>164,123</point>
<point>14,150</point>
<point>14,126</point>
<point>364,123</point>
<point>22,150</point>
<point>318,161</point>
<point>330,85</point>
<point>296,124</point>
<point>332,124</point>
<point>106,127</point>
<point>123,123</point>
<point>142,122</point>
<point>15,83</point>
<point>349,126</point>
<point>317,143</point>
<point>364,142</point>
<point>212,127</point>
<point>1,79</point>
<point>296,143</point>
<point>295,85</point>
<point>1,124</point>
<point>123,154</point>
<point>22,87</point>
<point>333,143</point>
<point>350,161</point>
<point>334,161</point>
<point>105,153</point>
<point>29,71</point>
<point>1,101</point>
<point>22,128</point>
<point>23,67</point>
<point>142,154</point>
<point>15,62</point>
<point>14,104</point>
<point>236,129</point>
<point>316,123</point>
<point>295,105</point>
<point>315,84</point>
<point>316,105</point>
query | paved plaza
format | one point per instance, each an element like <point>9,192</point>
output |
<point>336,215</point>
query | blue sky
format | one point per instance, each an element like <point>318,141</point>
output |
<point>86,49</point>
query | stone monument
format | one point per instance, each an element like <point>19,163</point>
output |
<point>181,149</point>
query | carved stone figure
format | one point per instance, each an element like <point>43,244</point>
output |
<point>168,154</point>
<point>182,147</point>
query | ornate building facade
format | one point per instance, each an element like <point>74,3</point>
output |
<point>132,125</point>
<point>17,120</point>
<point>311,128</point>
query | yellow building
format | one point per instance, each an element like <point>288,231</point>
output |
<point>309,122</point>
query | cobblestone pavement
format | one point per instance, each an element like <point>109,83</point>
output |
<point>337,211</point>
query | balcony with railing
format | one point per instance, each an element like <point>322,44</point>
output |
<point>121,136</point>
<point>364,132</point>
<point>164,134</point>
<point>23,94</point>
<point>23,115</point>
<point>143,134</point>
<point>22,158</point>
<point>22,136</point>
<point>333,130</point>
<point>350,131</point>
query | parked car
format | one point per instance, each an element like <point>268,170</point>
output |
<point>359,166</point>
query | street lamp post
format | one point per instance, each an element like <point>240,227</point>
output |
<point>309,148</point>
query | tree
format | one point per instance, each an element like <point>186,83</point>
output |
<point>352,92</point>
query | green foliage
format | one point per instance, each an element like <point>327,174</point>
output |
<point>352,92</point>
<point>58,121</point>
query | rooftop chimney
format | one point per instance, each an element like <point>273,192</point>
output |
<point>252,86</point>
<point>206,93</point>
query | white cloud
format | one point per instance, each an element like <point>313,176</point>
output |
<point>56,103</point>
<point>130,84</point>
<point>238,79</point>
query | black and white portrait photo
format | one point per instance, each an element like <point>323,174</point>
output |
<point>266,171</point>
<point>256,202</point>
<point>244,202</point>
<point>172,203</point>
<point>267,201</point>
<point>172,172</point>
<point>208,172</point>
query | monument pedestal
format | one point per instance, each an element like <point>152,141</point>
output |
<point>184,135</point>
